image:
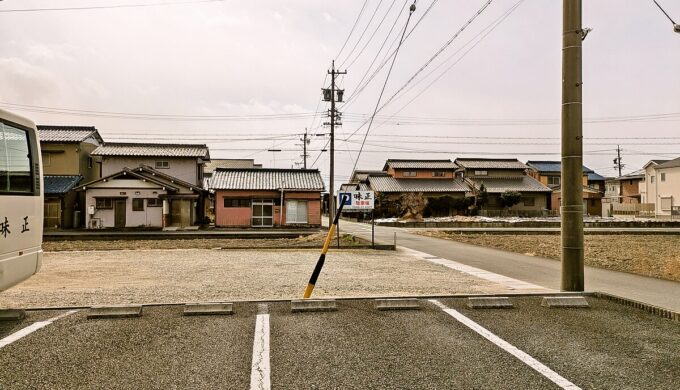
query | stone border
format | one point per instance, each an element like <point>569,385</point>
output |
<point>654,310</point>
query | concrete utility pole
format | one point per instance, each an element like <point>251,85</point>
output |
<point>333,114</point>
<point>572,148</point>
<point>617,161</point>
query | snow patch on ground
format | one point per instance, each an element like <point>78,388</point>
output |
<point>462,218</point>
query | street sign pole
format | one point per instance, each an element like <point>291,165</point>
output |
<point>373,229</point>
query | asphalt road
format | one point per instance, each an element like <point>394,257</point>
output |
<point>607,346</point>
<point>537,270</point>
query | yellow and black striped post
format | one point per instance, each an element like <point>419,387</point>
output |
<point>322,257</point>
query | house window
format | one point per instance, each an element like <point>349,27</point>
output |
<point>651,179</point>
<point>104,203</point>
<point>481,173</point>
<point>666,203</point>
<point>138,204</point>
<point>89,162</point>
<point>663,177</point>
<point>410,173</point>
<point>554,180</point>
<point>230,202</point>
<point>529,201</point>
<point>162,164</point>
<point>296,211</point>
<point>438,174</point>
<point>154,202</point>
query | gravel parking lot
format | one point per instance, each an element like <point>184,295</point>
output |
<point>648,255</point>
<point>84,278</point>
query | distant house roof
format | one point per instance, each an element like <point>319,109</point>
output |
<point>556,167</point>
<point>152,150</point>
<point>390,184</point>
<point>519,184</point>
<point>267,179</point>
<point>670,164</point>
<point>143,172</point>
<point>67,134</point>
<point>230,163</point>
<point>60,184</point>
<point>361,175</point>
<point>639,174</point>
<point>355,187</point>
<point>594,176</point>
<point>490,163</point>
<point>655,162</point>
<point>419,164</point>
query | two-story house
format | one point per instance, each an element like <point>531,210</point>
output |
<point>434,179</point>
<point>504,175</point>
<point>549,173</point>
<point>147,185</point>
<point>67,160</point>
<point>662,186</point>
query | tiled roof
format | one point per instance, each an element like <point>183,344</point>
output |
<point>267,179</point>
<point>556,167</point>
<point>152,150</point>
<point>60,184</point>
<point>67,134</point>
<point>390,184</point>
<point>362,175</point>
<point>419,164</point>
<point>593,176</point>
<point>487,163</point>
<point>355,187</point>
<point>231,163</point>
<point>519,184</point>
<point>670,164</point>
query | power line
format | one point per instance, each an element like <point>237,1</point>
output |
<point>372,35</point>
<point>389,72</point>
<point>351,31</point>
<point>362,34</point>
<point>109,6</point>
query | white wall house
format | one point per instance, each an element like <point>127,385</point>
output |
<point>662,186</point>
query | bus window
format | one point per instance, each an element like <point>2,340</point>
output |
<point>15,160</point>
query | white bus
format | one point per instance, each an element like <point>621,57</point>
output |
<point>21,200</point>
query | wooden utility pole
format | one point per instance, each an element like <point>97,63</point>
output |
<point>572,148</point>
<point>304,150</point>
<point>333,114</point>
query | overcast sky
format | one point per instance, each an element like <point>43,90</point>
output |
<point>254,58</point>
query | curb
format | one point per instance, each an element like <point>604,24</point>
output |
<point>654,310</point>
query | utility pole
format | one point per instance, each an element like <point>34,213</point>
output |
<point>304,150</point>
<point>330,95</point>
<point>571,210</point>
<point>617,160</point>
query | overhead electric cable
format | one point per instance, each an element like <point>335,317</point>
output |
<point>372,35</point>
<point>352,30</point>
<point>109,6</point>
<point>362,34</point>
<point>389,72</point>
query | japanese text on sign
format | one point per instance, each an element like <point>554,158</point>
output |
<point>357,200</point>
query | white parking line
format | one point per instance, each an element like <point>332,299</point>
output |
<point>260,370</point>
<point>31,328</point>
<point>511,349</point>
<point>514,284</point>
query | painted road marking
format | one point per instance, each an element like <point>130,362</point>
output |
<point>260,370</point>
<point>32,328</point>
<point>511,349</point>
<point>512,283</point>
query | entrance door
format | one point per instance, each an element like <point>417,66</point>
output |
<point>119,212</point>
<point>52,213</point>
<point>263,212</point>
<point>180,212</point>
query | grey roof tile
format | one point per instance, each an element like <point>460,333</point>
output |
<point>152,150</point>
<point>231,163</point>
<point>670,164</point>
<point>67,134</point>
<point>60,184</point>
<point>419,164</point>
<point>519,184</point>
<point>390,184</point>
<point>487,163</point>
<point>267,179</point>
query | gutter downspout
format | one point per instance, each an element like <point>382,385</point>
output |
<point>281,207</point>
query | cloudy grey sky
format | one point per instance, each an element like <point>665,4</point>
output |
<point>263,62</point>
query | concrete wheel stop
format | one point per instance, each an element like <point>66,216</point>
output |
<point>397,304</point>
<point>565,302</point>
<point>120,311</point>
<point>311,305</point>
<point>12,314</point>
<point>205,309</point>
<point>489,303</point>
